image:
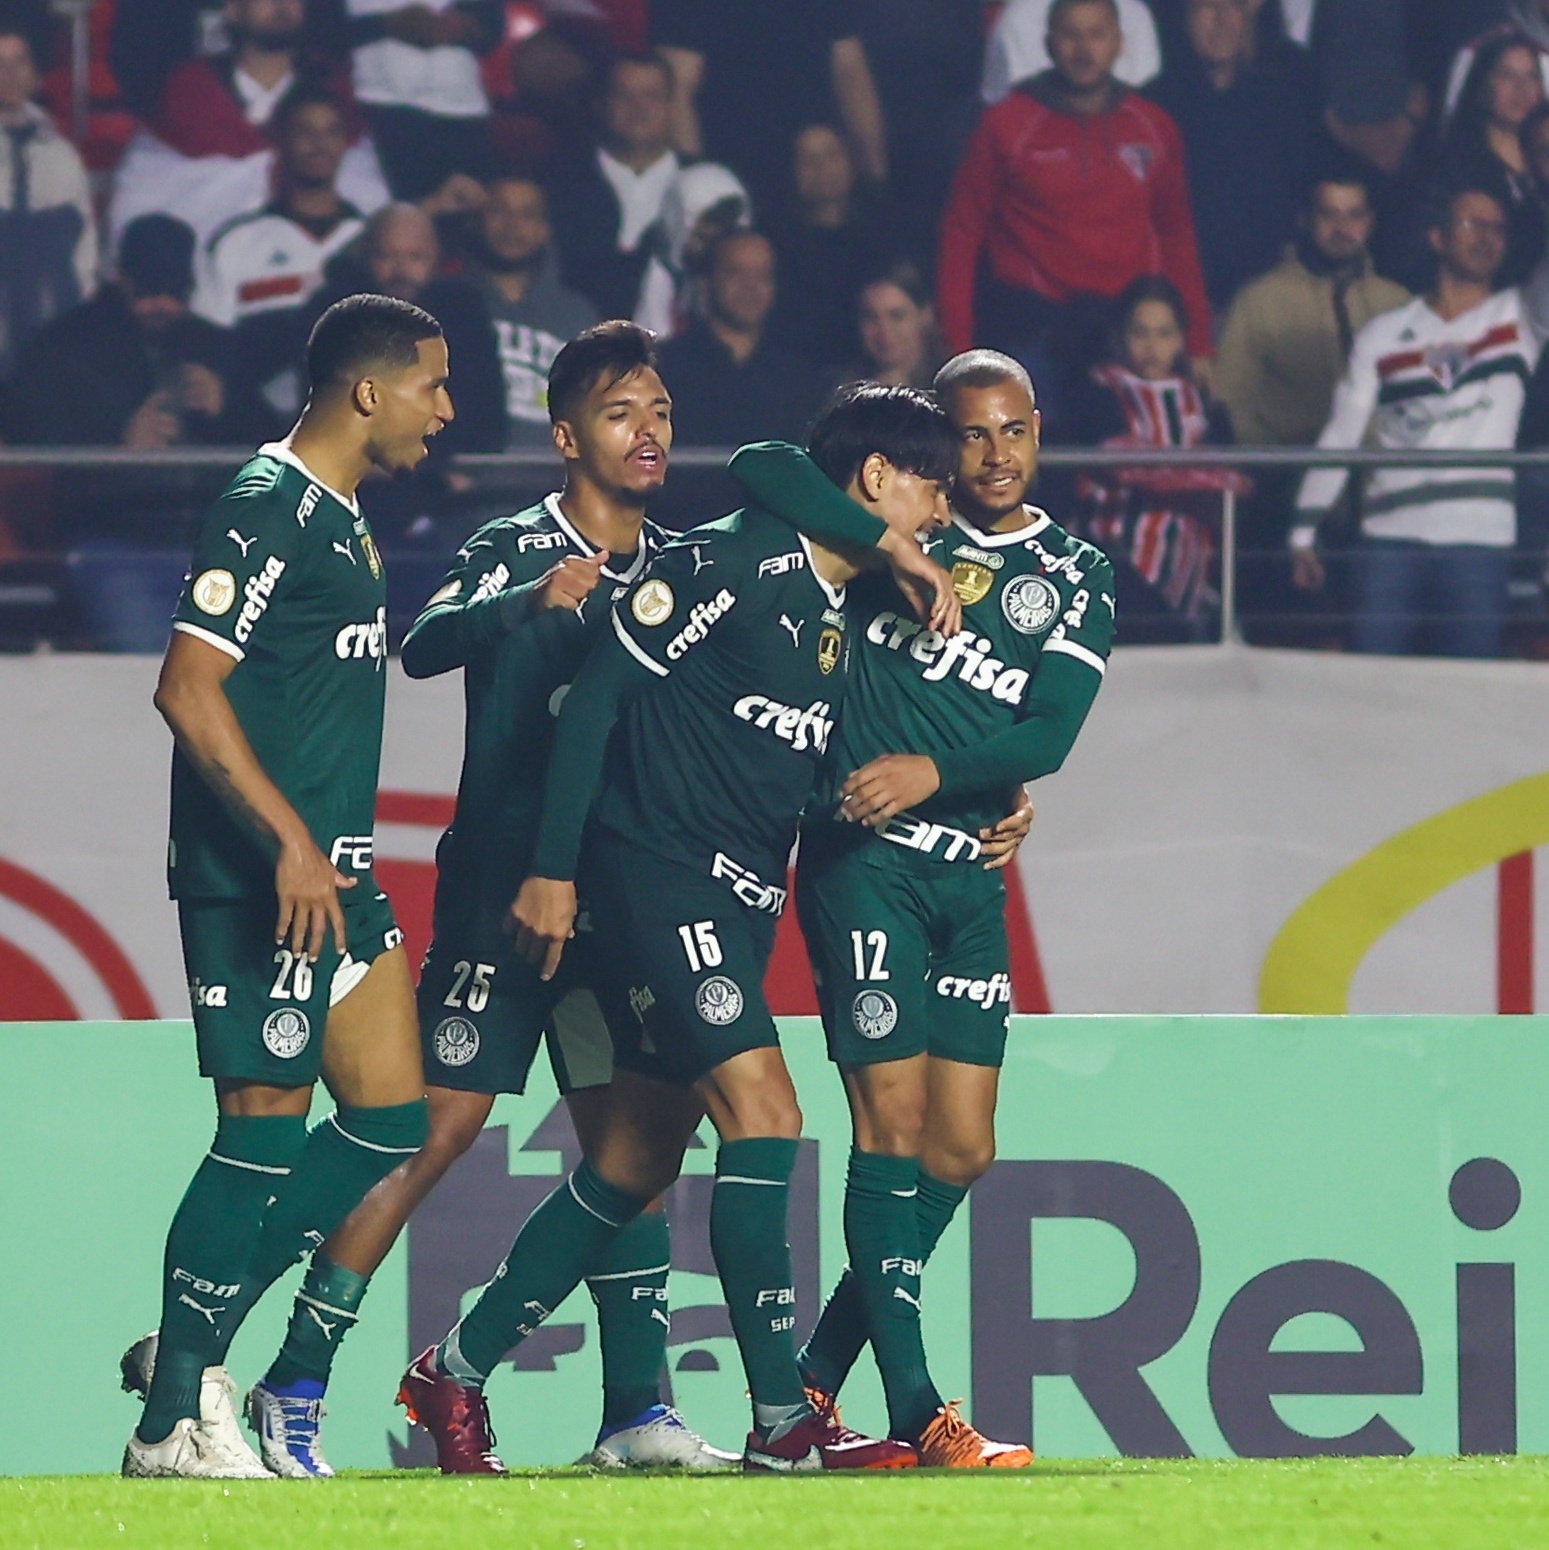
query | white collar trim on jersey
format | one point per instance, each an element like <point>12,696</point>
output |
<point>835,595</point>
<point>1040,520</point>
<point>569,529</point>
<point>282,450</point>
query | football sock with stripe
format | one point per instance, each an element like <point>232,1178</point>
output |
<point>566,1236</point>
<point>326,1309</point>
<point>882,1234</point>
<point>629,1287</point>
<point>748,1240</point>
<point>842,1331</point>
<point>346,1153</point>
<point>209,1246</point>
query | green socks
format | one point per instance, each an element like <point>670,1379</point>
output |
<point>209,1246</point>
<point>566,1235</point>
<point>630,1290</point>
<point>747,1238</point>
<point>881,1231</point>
<point>842,1331</point>
<point>326,1310</point>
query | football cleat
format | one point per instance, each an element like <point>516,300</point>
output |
<point>822,1441</point>
<point>949,1442</point>
<point>188,1452</point>
<point>289,1432</point>
<point>659,1438</point>
<point>455,1414</point>
<point>217,1398</point>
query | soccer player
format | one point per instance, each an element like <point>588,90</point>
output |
<point>274,687</point>
<point>904,918</point>
<point>718,681</point>
<point>526,598</point>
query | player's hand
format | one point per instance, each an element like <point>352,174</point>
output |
<point>1003,841</point>
<point>886,786</point>
<point>307,884</point>
<point>570,583</point>
<point>542,919</point>
<point>1307,570</point>
<point>927,586</point>
<point>458,195</point>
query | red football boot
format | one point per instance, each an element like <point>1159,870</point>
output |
<point>822,1441</point>
<point>455,1414</point>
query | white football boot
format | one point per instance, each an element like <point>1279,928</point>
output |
<point>658,1439</point>
<point>289,1433</point>
<point>188,1452</point>
<point>217,1400</point>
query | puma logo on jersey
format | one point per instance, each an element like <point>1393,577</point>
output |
<point>702,617</point>
<point>967,654</point>
<point>700,562</point>
<point>256,595</point>
<point>344,549</point>
<point>363,640</point>
<point>244,544</point>
<point>802,729</point>
<point>794,626</point>
<point>491,582</point>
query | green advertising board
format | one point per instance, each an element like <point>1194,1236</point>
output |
<point>1206,1235</point>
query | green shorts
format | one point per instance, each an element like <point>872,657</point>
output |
<point>484,1012</point>
<point>260,1010</point>
<point>909,956</point>
<point>690,960</point>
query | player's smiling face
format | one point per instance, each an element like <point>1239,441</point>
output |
<point>997,442</point>
<point>410,405</point>
<point>621,433</point>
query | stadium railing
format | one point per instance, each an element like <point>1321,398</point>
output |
<point>85,531</point>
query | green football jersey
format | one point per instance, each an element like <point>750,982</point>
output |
<point>517,665</point>
<point>287,580</point>
<point>1025,594</point>
<point>712,765</point>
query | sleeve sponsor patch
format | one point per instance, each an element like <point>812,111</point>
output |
<point>653,603</point>
<point>214,592</point>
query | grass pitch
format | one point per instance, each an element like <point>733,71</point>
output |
<point>1324,1504</point>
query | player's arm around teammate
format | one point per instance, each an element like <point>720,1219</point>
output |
<point>273,689</point>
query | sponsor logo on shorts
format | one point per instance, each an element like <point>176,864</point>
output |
<point>215,591</point>
<point>830,649</point>
<point>352,852</point>
<point>986,992</point>
<point>457,1041</point>
<point>392,939</point>
<point>701,618</point>
<point>719,1001</point>
<point>802,729</point>
<point>968,654</point>
<point>206,995</point>
<point>653,603</point>
<point>256,595</point>
<point>641,1000</point>
<point>1030,604</point>
<point>747,885</point>
<point>971,582</point>
<point>931,838</point>
<point>360,641</point>
<point>875,1014</point>
<point>286,1032</point>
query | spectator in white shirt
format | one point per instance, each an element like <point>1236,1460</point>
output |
<point>703,202</point>
<point>603,203</point>
<point>1018,46</point>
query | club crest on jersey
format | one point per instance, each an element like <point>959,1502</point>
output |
<point>368,548</point>
<point>286,1031</point>
<point>719,1001</point>
<point>971,582</point>
<point>457,1041</point>
<point>875,1014</point>
<point>215,591</point>
<point>830,648</point>
<point>653,603</point>
<point>1030,604</point>
<point>1447,361</point>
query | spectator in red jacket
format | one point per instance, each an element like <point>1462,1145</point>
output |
<point>1072,187</point>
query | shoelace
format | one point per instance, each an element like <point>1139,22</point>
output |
<point>299,1423</point>
<point>476,1414</point>
<point>957,1436</point>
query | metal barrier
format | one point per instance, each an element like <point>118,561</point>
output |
<point>192,474</point>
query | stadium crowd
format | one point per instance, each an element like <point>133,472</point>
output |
<point>1180,215</point>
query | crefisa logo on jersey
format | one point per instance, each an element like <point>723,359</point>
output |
<point>457,1041</point>
<point>875,1014</point>
<point>256,595</point>
<point>363,640</point>
<point>1030,604</point>
<point>719,1001</point>
<point>286,1031</point>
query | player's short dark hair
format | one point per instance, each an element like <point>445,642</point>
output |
<point>981,369</point>
<point>903,424</point>
<point>605,352</point>
<point>306,94</point>
<point>364,332</point>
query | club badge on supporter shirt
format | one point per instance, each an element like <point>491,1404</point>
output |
<point>971,582</point>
